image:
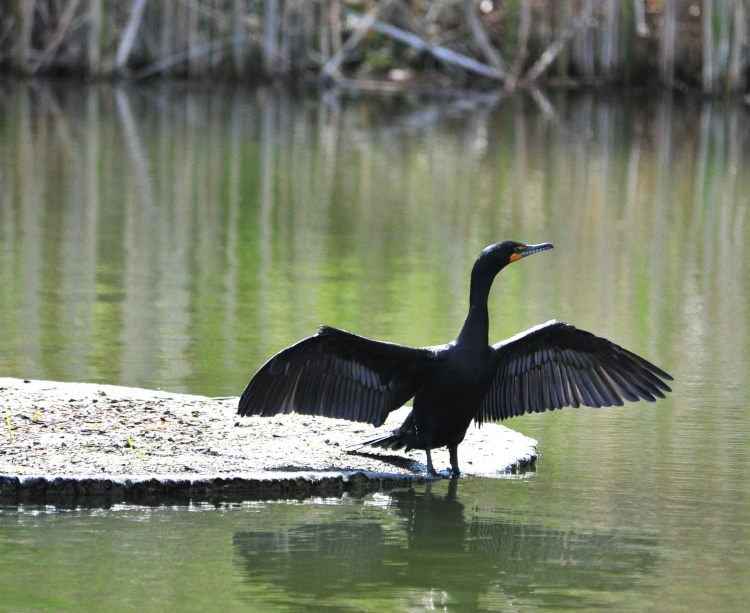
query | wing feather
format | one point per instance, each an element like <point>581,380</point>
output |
<point>555,365</point>
<point>338,374</point>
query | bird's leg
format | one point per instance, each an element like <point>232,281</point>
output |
<point>453,451</point>
<point>430,467</point>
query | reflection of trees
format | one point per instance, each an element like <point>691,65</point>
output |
<point>439,550</point>
<point>149,231</point>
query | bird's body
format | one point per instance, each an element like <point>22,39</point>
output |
<point>445,405</point>
<point>338,374</point>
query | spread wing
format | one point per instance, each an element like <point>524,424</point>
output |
<point>337,374</point>
<point>555,365</point>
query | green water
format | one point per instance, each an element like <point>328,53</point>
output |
<point>459,546</point>
<point>176,236</point>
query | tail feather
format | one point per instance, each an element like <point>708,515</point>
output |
<point>391,440</point>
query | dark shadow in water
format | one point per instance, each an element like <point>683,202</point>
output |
<point>432,548</point>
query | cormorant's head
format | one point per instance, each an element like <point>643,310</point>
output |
<point>499,255</point>
<point>492,260</point>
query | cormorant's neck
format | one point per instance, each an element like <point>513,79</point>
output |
<point>476,328</point>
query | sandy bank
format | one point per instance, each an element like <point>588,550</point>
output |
<point>79,443</point>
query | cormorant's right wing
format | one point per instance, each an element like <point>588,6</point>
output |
<point>338,374</point>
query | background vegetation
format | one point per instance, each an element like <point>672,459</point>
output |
<point>387,44</point>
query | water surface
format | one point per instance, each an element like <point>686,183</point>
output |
<point>448,546</point>
<point>176,236</point>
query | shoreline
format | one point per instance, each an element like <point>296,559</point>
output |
<point>93,445</point>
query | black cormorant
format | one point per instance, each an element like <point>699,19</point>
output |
<point>338,374</point>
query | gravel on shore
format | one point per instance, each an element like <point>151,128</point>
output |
<point>92,444</point>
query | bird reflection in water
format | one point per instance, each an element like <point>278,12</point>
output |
<point>427,543</point>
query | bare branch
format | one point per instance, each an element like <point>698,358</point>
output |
<point>128,38</point>
<point>442,53</point>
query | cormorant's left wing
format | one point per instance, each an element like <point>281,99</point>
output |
<point>556,365</point>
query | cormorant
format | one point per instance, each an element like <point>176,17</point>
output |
<point>338,374</point>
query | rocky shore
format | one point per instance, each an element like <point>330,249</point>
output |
<point>91,444</point>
